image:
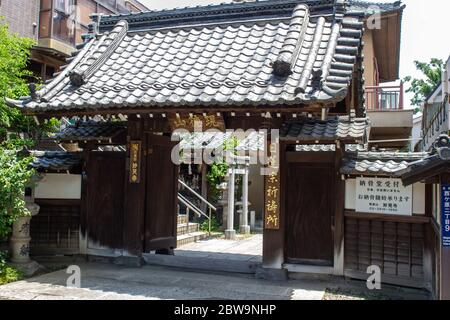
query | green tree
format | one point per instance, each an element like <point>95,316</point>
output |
<point>15,174</point>
<point>14,77</point>
<point>423,87</point>
<point>16,129</point>
<point>218,170</point>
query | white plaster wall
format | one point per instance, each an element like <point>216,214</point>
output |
<point>418,196</point>
<point>350,194</point>
<point>59,186</point>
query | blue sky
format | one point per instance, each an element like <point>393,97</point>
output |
<point>425,34</point>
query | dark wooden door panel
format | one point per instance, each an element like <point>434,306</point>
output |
<point>55,229</point>
<point>105,198</point>
<point>309,213</point>
<point>161,194</point>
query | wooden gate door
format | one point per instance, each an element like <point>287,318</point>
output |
<point>161,195</point>
<point>105,200</point>
<point>309,203</point>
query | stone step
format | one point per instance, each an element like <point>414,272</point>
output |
<point>182,219</point>
<point>184,228</point>
<point>198,263</point>
<point>191,237</point>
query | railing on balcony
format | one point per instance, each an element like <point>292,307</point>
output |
<point>437,125</point>
<point>384,97</point>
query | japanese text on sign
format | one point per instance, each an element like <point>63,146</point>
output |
<point>384,196</point>
<point>135,158</point>
<point>445,215</point>
<point>272,194</point>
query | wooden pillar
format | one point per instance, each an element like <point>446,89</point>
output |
<point>338,225</point>
<point>84,198</point>
<point>444,274</point>
<point>429,241</point>
<point>133,225</point>
<point>273,239</point>
<point>204,188</point>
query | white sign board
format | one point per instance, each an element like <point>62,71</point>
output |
<point>384,196</point>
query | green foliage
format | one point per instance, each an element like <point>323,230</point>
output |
<point>422,88</point>
<point>16,129</point>
<point>215,225</point>
<point>14,177</point>
<point>14,57</point>
<point>218,170</point>
<point>7,273</point>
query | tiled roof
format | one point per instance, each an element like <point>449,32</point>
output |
<point>328,147</point>
<point>265,53</point>
<point>341,128</point>
<point>379,163</point>
<point>55,160</point>
<point>91,130</point>
<point>369,6</point>
<point>436,163</point>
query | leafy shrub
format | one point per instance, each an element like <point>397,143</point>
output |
<point>7,273</point>
<point>14,176</point>
<point>215,225</point>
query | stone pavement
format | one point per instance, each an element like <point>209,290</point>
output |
<point>249,249</point>
<point>108,282</point>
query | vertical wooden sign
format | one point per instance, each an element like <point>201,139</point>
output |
<point>135,161</point>
<point>272,192</point>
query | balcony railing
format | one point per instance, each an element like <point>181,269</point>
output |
<point>437,125</point>
<point>384,97</point>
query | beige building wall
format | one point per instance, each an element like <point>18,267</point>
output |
<point>369,58</point>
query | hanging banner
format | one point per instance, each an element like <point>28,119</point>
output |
<point>445,215</point>
<point>384,196</point>
<point>272,192</point>
<point>135,161</point>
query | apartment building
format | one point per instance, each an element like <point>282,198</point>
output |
<point>57,26</point>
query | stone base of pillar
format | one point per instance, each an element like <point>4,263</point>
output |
<point>230,234</point>
<point>244,229</point>
<point>223,227</point>
<point>28,268</point>
<point>272,274</point>
<point>129,261</point>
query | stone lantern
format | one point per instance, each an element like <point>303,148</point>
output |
<point>223,202</point>
<point>20,239</point>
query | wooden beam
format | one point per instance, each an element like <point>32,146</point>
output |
<point>168,110</point>
<point>386,217</point>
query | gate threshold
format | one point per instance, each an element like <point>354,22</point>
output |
<point>202,264</point>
